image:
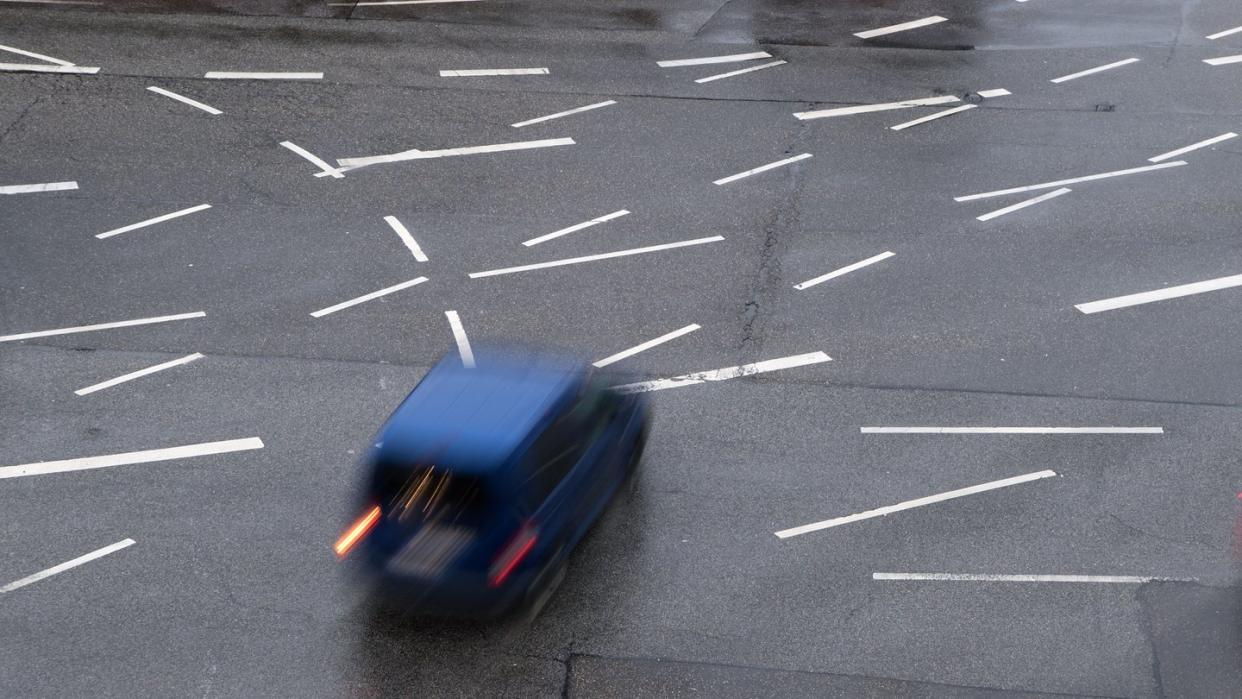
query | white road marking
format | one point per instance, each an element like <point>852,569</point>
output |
<point>492,71</point>
<point>761,168</point>
<point>1092,71</point>
<point>152,221</point>
<point>623,354</point>
<point>87,463</point>
<point>101,326</point>
<point>379,3</point>
<point>406,238</point>
<point>1023,204</point>
<point>732,73</point>
<point>593,258</point>
<point>986,577</point>
<point>920,502</point>
<point>1194,146</point>
<point>86,558</point>
<point>40,68</point>
<point>352,163</point>
<point>1012,430</point>
<point>1072,180</point>
<point>1171,292</point>
<point>1225,33</point>
<point>558,115</point>
<point>998,92</point>
<point>1223,60</point>
<point>37,56</point>
<point>182,98</point>
<point>932,117</point>
<point>844,270</point>
<point>904,26</point>
<point>368,297</point>
<point>575,227</point>
<point>244,75</point>
<point>55,2</point>
<point>138,374</point>
<point>323,166</point>
<point>866,108</point>
<point>463,342</point>
<point>732,58</point>
<point>31,188</point>
<point>726,373</point>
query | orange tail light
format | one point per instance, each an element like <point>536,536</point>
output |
<point>357,531</point>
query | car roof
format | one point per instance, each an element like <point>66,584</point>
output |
<point>471,420</point>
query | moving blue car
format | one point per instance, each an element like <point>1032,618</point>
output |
<point>484,479</point>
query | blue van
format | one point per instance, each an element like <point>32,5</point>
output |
<point>484,479</point>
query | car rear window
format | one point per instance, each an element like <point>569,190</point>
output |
<point>428,494</point>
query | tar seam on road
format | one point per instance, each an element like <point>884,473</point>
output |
<point>623,354</point>
<point>844,270</point>
<point>1171,292</point>
<point>904,26</point>
<point>33,188</point>
<point>558,115</point>
<point>707,60</point>
<point>575,227</point>
<point>726,373</point>
<point>406,238</point>
<point>101,326</point>
<point>153,221</point>
<point>1072,180</point>
<point>133,457</point>
<point>459,336</point>
<point>1023,204</point>
<point>74,563</point>
<point>592,258</point>
<point>138,374</point>
<point>882,107</point>
<point>367,297</point>
<point>182,98</point>
<point>761,168</point>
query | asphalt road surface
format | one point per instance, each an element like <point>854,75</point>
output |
<point>207,571</point>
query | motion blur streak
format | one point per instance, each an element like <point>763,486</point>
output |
<point>355,533</point>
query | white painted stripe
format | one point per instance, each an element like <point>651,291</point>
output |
<point>1023,204</point>
<point>182,98</point>
<point>844,270</point>
<point>732,58</point>
<point>86,558</point>
<point>1072,180</point>
<point>1223,60</point>
<point>477,72</point>
<point>87,463</point>
<point>55,2</point>
<point>593,258</point>
<point>102,326</point>
<point>931,117</point>
<point>31,188</point>
<point>244,75</point>
<point>623,354</point>
<point>138,374</point>
<point>575,227</point>
<point>463,342</point>
<point>1092,71</point>
<point>40,68</point>
<point>761,168</point>
<point>323,166</point>
<point>726,373</point>
<point>558,115</point>
<point>368,297</point>
<point>1172,292</point>
<point>886,106</point>
<point>406,238</point>
<point>904,26</point>
<point>732,73</point>
<point>920,502</point>
<point>1227,32</point>
<point>394,2</point>
<point>982,577</point>
<point>351,163</point>
<point>152,221</point>
<point>37,56</point>
<point>1012,430</point>
<point>1194,146</point>
<point>998,92</point>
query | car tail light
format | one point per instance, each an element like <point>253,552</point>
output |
<point>357,531</point>
<point>512,554</point>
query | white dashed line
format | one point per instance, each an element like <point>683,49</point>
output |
<point>983,577</point>
<point>352,163</point>
<point>1072,180</point>
<point>463,342</point>
<point>1023,204</point>
<point>152,221</point>
<point>368,297</point>
<point>243,75</point>
<point>1194,146</point>
<point>102,326</point>
<point>593,258</point>
<point>932,117</point>
<point>844,270</point>
<point>1223,60</point>
<point>575,227</point>
<point>1092,71</point>
<point>40,68</point>
<point>478,72</point>
<point>323,166</point>
<point>32,188</point>
<point>761,168</point>
<point>732,73</point>
<point>1172,292</point>
<point>920,502</point>
<point>36,56</point>
<point>884,107</point>
<point>726,373</point>
<point>904,26</point>
<point>558,115</point>
<point>87,463</point>
<point>406,238</point>
<point>1227,32</point>
<point>998,92</point>
<point>707,60</point>
<point>182,98</point>
<point>1012,430</point>
<point>623,354</point>
<point>86,558</point>
<point>138,374</point>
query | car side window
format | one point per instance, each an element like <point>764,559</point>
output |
<point>564,442</point>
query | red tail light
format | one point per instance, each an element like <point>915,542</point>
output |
<point>517,549</point>
<point>357,531</point>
